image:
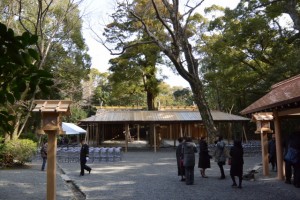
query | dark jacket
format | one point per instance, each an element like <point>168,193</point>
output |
<point>179,156</point>
<point>272,151</point>
<point>204,157</point>
<point>294,140</point>
<point>189,150</point>
<point>237,160</point>
<point>179,152</point>
<point>44,151</point>
<point>84,152</point>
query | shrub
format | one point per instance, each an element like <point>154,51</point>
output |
<point>20,150</point>
<point>30,136</point>
<point>1,151</point>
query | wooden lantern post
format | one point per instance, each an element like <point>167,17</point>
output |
<point>263,128</point>
<point>51,111</point>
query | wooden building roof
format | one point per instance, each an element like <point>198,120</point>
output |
<point>284,95</point>
<point>139,116</point>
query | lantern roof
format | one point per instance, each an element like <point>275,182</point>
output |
<point>262,116</point>
<point>60,106</point>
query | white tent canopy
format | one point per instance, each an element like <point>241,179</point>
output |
<point>72,129</point>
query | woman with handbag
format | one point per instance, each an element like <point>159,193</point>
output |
<point>237,162</point>
<point>179,158</point>
<point>220,154</point>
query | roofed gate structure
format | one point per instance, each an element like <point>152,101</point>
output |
<point>166,124</point>
<point>283,101</point>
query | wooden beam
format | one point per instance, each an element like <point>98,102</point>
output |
<point>294,111</point>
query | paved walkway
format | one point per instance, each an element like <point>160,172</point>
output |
<point>142,176</point>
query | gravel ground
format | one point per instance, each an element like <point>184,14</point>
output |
<point>141,175</point>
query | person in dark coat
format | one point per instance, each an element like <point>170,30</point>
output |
<point>287,165</point>
<point>84,157</point>
<point>294,144</point>
<point>237,162</point>
<point>189,149</point>
<point>204,157</point>
<point>272,153</point>
<point>179,158</point>
<point>44,155</point>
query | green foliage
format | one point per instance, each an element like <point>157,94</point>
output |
<point>59,52</point>
<point>20,150</point>
<point>2,155</point>
<point>248,51</point>
<point>18,71</point>
<point>77,113</point>
<point>184,96</point>
<point>134,71</point>
<point>30,136</point>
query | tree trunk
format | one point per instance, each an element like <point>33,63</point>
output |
<point>150,101</point>
<point>203,108</point>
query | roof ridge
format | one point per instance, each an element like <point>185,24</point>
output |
<point>285,81</point>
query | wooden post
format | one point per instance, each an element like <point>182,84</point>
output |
<point>245,135</point>
<point>278,146</point>
<point>126,136</point>
<point>97,135</point>
<point>181,135</point>
<point>51,165</point>
<point>264,152</point>
<point>154,132</point>
<point>170,132</point>
<point>138,132</point>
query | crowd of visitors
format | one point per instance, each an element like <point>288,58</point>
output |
<point>185,154</point>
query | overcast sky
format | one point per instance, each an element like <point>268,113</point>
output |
<point>97,14</point>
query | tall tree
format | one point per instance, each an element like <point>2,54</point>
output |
<point>57,24</point>
<point>136,66</point>
<point>175,34</point>
<point>250,50</point>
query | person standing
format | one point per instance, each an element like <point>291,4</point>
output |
<point>287,164</point>
<point>204,157</point>
<point>293,155</point>
<point>84,157</point>
<point>44,155</point>
<point>237,162</point>
<point>189,150</point>
<point>220,155</point>
<point>179,158</point>
<point>272,153</point>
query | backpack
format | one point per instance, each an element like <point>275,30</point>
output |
<point>292,156</point>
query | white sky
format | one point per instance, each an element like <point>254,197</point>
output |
<point>97,14</point>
